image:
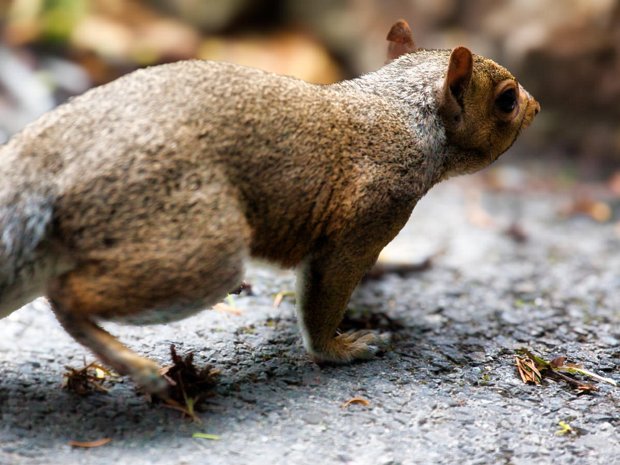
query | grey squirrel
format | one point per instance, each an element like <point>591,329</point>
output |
<point>140,200</point>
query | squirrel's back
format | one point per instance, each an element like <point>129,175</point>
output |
<point>288,149</point>
<point>291,152</point>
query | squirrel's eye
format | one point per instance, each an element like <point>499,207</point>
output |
<point>507,100</point>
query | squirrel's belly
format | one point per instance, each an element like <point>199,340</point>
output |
<point>159,315</point>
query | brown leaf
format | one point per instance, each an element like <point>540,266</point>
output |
<point>280,297</point>
<point>356,400</point>
<point>558,362</point>
<point>527,370</point>
<point>531,366</point>
<point>587,387</point>
<point>291,53</point>
<point>86,380</point>
<point>90,444</point>
<point>189,385</point>
<point>225,308</point>
<point>516,232</point>
<point>595,209</point>
<point>573,365</point>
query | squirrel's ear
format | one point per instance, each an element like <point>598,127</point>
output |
<point>400,40</point>
<point>459,72</point>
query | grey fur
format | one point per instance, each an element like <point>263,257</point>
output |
<point>24,223</point>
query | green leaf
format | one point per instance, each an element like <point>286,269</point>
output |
<point>565,429</point>
<point>212,437</point>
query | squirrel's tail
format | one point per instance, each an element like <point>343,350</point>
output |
<point>25,261</point>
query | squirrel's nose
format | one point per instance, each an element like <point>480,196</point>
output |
<point>533,101</point>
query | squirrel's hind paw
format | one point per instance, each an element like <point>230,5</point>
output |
<point>151,381</point>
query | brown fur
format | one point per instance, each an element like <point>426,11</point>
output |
<point>144,197</point>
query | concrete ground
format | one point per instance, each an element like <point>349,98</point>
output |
<point>447,392</point>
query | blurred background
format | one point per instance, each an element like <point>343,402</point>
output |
<point>565,52</point>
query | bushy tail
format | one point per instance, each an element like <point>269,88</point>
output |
<point>25,222</point>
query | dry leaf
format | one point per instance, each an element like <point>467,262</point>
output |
<point>90,444</point>
<point>558,362</point>
<point>225,308</point>
<point>597,210</point>
<point>356,400</point>
<point>527,370</point>
<point>516,232</point>
<point>189,385</point>
<point>291,53</point>
<point>530,364</point>
<point>86,380</point>
<point>587,388</point>
<point>280,297</point>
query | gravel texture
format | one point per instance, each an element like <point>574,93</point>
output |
<point>447,392</point>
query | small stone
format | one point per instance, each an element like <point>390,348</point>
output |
<point>313,418</point>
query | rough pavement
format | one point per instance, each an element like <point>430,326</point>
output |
<point>446,393</point>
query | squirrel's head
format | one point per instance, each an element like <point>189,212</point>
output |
<point>482,106</point>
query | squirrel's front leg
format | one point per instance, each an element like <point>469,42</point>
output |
<point>325,282</point>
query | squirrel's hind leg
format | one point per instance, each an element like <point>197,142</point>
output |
<point>145,372</point>
<point>184,264</point>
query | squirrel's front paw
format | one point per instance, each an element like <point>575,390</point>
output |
<point>353,345</point>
